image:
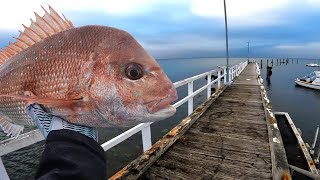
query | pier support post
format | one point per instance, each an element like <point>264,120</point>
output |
<point>190,101</point>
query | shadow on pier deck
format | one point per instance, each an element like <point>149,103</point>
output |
<point>225,138</point>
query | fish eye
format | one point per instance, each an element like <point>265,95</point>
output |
<point>134,71</point>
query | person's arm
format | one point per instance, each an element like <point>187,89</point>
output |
<point>71,151</point>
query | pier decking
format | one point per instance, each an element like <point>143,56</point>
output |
<point>231,136</point>
<point>229,141</point>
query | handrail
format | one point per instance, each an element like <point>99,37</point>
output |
<point>118,139</point>
<point>26,139</point>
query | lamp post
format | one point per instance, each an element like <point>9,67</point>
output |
<point>227,46</point>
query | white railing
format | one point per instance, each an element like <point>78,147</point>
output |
<point>32,137</point>
<point>146,141</point>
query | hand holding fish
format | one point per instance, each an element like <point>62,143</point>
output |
<point>47,122</point>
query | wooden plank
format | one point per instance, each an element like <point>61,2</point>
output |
<point>219,122</point>
<point>255,147</point>
<point>200,164</point>
<point>201,160</point>
<point>280,166</point>
<point>236,120</point>
<point>208,150</point>
<point>226,134</point>
<point>159,173</point>
<point>234,131</point>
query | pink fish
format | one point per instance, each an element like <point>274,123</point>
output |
<point>95,76</point>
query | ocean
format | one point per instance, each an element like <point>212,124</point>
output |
<point>301,103</point>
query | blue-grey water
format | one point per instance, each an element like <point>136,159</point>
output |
<point>301,103</point>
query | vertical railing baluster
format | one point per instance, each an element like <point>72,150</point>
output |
<point>315,138</point>
<point>219,81</point>
<point>190,101</point>
<point>238,69</point>
<point>231,75</point>
<point>225,76</point>
<point>209,87</point>
<point>146,138</point>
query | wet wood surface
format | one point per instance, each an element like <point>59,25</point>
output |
<point>229,140</point>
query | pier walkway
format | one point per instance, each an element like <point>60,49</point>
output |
<point>229,140</point>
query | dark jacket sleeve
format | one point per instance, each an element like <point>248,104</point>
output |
<point>71,155</point>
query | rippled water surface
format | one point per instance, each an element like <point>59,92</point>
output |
<point>303,104</point>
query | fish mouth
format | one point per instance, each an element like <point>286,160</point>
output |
<point>163,105</point>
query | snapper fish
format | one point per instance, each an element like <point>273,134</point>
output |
<point>95,76</point>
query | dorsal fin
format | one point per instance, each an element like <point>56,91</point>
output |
<point>47,25</point>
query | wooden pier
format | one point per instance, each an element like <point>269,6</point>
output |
<point>228,137</point>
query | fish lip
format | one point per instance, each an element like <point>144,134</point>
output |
<point>163,103</point>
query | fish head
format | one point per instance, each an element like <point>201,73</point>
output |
<point>128,86</point>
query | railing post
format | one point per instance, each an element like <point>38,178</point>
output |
<point>225,76</point>
<point>3,172</point>
<point>315,138</point>
<point>209,87</point>
<point>146,138</point>
<point>219,81</point>
<point>230,75</point>
<point>237,70</point>
<point>233,73</point>
<point>190,101</point>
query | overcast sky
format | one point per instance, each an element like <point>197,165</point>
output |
<point>190,28</point>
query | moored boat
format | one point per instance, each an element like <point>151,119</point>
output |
<point>313,65</point>
<point>310,81</point>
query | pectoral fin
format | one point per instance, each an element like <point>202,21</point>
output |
<point>63,106</point>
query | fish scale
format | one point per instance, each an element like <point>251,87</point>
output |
<point>35,73</point>
<point>95,76</point>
